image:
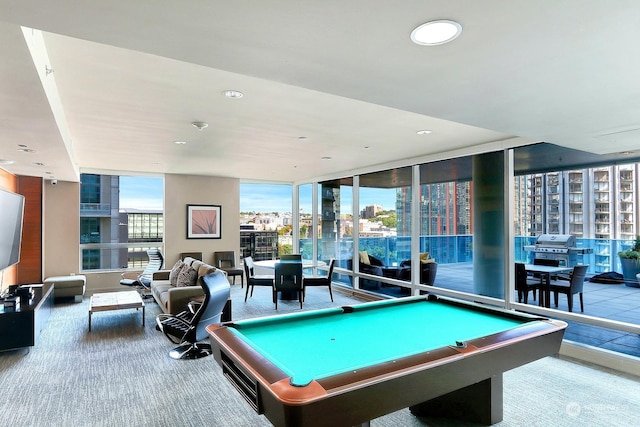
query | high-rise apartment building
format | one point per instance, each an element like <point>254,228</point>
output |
<point>596,203</point>
<point>445,209</point>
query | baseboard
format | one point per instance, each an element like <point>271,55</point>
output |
<point>601,357</point>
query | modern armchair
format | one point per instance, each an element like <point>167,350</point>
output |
<point>254,279</point>
<point>428,271</point>
<point>288,278</point>
<point>372,267</point>
<point>570,288</point>
<point>142,281</point>
<point>187,328</point>
<point>308,281</point>
<point>226,260</point>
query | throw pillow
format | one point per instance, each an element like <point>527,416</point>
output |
<point>364,257</point>
<point>187,277</point>
<point>424,258</point>
<point>175,271</point>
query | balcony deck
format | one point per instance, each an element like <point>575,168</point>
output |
<point>614,302</point>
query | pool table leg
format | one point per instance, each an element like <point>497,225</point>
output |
<point>480,403</point>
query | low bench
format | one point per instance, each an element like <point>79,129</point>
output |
<point>68,286</point>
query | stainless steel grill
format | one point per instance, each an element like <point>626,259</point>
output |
<point>558,246</point>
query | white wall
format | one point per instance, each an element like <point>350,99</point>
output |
<point>61,225</point>
<point>61,228</point>
<point>183,190</point>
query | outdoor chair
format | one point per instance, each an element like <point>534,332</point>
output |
<point>526,283</point>
<point>570,288</point>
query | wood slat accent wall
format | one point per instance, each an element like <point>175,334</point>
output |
<point>30,266</point>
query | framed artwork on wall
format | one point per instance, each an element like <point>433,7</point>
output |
<point>204,221</point>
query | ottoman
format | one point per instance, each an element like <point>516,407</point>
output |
<point>68,286</point>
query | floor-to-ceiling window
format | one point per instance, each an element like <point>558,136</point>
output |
<point>462,210</point>
<point>335,240</point>
<point>384,229</point>
<point>266,220</point>
<point>120,218</point>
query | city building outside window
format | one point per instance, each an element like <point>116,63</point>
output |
<point>120,218</point>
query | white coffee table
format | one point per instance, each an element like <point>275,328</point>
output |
<point>115,301</point>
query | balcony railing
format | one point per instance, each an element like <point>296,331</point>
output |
<point>116,256</point>
<point>95,209</point>
<point>459,249</point>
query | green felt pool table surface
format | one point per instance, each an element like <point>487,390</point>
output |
<point>314,345</point>
<point>347,365</point>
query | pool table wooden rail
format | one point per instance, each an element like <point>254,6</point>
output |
<point>466,380</point>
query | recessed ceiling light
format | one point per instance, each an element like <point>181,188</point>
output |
<point>233,94</point>
<point>325,158</point>
<point>180,142</point>
<point>26,150</point>
<point>423,132</point>
<point>6,162</point>
<point>38,164</point>
<point>302,138</point>
<point>436,32</point>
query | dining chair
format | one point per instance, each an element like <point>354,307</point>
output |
<point>319,281</point>
<point>254,279</point>
<point>194,255</point>
<point>570,288</point>
<point>226,260</point>
<point>288,278</point>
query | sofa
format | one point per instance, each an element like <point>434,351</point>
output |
<point>174,289</point>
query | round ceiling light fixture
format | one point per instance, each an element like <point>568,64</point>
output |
<point>424,132</point>
<point>437,32</point>
<point>233,94</point>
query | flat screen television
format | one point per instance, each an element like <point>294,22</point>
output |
<point>11,213</point>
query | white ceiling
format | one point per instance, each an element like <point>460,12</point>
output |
<point>129,77</point>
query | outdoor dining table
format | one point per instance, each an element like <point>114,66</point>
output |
<point>546,271</point>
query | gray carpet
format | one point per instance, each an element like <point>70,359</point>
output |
<point>121,374</point>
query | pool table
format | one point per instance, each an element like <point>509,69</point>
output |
<point>344,366</point>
